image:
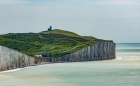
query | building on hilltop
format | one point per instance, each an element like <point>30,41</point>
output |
<point>50,29</point>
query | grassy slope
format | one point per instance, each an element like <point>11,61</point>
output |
<point>56,42</point>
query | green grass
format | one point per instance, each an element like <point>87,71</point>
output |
<point>57,31</point>
<point>56,42</point>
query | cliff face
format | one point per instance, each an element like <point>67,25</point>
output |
<point>10,59</point>
<point>100,51</point>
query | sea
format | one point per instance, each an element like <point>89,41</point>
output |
<point>122,71</point>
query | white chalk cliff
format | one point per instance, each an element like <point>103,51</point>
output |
<point>10,59</point>
<point>99,51</point>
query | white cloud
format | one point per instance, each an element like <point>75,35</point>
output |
<point>125,2</point>
<point>97,16</point>
<point>11,1</point>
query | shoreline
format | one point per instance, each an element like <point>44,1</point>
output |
<point>13,70</point>
<point>75,74</point>
<point>20,68</point>
<point>17,69</point>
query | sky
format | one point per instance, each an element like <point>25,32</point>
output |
<point>117,20</point>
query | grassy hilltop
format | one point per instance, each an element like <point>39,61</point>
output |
<point>56,42</point>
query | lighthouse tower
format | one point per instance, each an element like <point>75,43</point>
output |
<point>50,29</point>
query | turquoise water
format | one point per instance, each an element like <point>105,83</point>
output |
<point>123,71</point>
<point>128,51</point>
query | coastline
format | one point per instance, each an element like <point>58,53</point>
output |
<point>17,69</point>
<point>44,63</point>
<point>13,70</point>
<point>75,74</point>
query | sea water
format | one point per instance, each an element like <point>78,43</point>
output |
<point>128,51</point>
<point>122,71</point>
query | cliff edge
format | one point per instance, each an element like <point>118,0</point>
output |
<point>56,42</point>
<point>53,46</point>
<point>10,59</point>
<point>99,51</point>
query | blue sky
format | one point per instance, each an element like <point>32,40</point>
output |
<point>117,20</point>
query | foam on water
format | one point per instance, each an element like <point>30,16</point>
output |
<point>13,70</point>
<point>128,51</point>
<point>119,58</point>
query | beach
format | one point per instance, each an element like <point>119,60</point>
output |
<point>101,73</point>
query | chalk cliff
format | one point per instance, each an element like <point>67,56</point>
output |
<point>100,51</point>
<point>10,59</point>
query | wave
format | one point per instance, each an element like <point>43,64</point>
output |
<point>119,58</point>
<point>13,70</point>
<point>128,58</point>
